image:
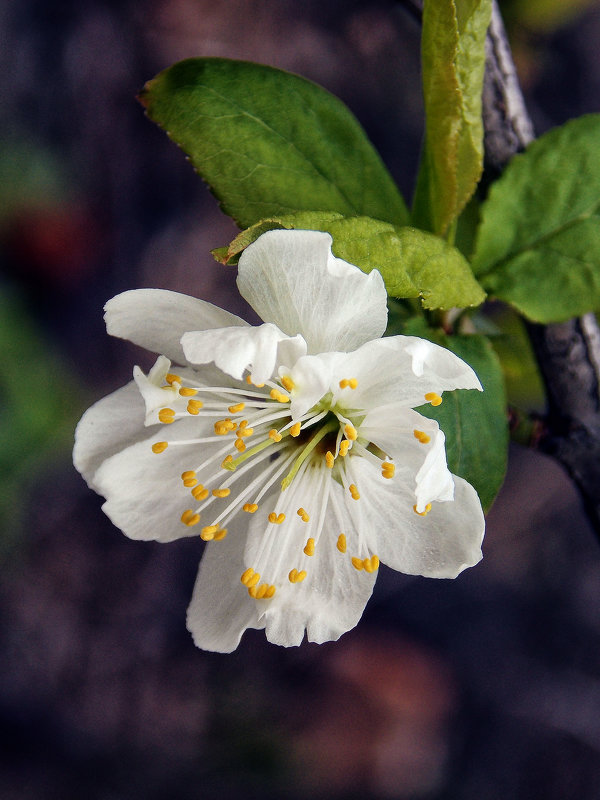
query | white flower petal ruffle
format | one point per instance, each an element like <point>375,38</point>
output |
<point>258,348</point>
<point>156,319</point>
<point>291,278</point>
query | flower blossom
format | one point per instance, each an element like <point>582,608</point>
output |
<point>292,447</point>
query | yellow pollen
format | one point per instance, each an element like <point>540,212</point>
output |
<point>350,432</point>
<point>170,378</point>
<point>275,518</point>
<point>159,447</point>
<point>387,469</point>
<point>371,564</point>
<point>190,482</point>
<point>351,383</point>
<point>207,537</point>
<point>275,435</point>
<point>243,431</point>
<point>199,492</point>
<point>186,391</point>
<point>250,507</point>
<point>223,426</point>
<point>309,548</point>
<point>329,459</point>
<point>422,436</point>
<point>236,408</point>
<point>190,518</point>
<point>239,445</point>
<point>260,591</point>
<point>287,383</point>
<point>303,515</point>
<point>247,574</point>
<point>166,415</point>
<point>341,543</point>
<point>354,492</point>
<point>209,531</point>
<point>270,592</point>
<point>297,577</point>
<point>344,447</point>
<point>189,473</point>
<point>193,407</point>
<point>275,394</point>
<point>295,429</point>
<point>221,492</point>
<point>357,563</point>
<point>433,398</point>
<point>424,512</point>
<point>220,534</point>
<point>227,460</point>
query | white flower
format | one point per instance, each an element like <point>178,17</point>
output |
<point>291,447</point>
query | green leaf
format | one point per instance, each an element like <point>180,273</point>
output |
<point>453,59</point>
<point>538,245</point>
<point>268,142</point>
<point>475,423</point>
<point>413,263</point>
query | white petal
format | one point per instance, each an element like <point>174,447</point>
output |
<point>221,610</point>
<point>111,424</point>
<point>292,279</point>
<point>156,319</point>
<point>145,496</point>
<point>331,599</point>
<point>439,545</point>
<point>234,350</point>
<point>402,370</point>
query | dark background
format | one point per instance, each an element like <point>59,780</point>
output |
<point>480,688</point>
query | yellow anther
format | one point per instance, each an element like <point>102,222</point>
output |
<point>199,492</point>
<point>275,518</point>
<point>187,391</point>
<point>275,394</point>
<point>227,460</point>
<point>341,543</point>
<point>424,512</point>
<point>159,447</point>
<point>190,518</point>
<point>354,492</point>
<point>239,445</point>
<point>189,473</point>
<point>350,432</point>
<point>433,398</point>
<point>270,592</point>
<point>344,447</point>
<point>422,436</point>
<point>261,590</point>
<point>209,531</point>
<point>236,408</point>
<point>243,431</point>
<point>253,580</point>
<point>287,383</point>
<point>166,415</point>
<point>295,429</point>
<point>193,407</point>
<point>189,482</point>
<point>247,574</point>
<point>371,564</point>
<point>297,577</point>
<point>351,383</point>
<point>309,548</point>
<point>275,435</point>
<point>221,492</point>
<point>303,515</point>
<point>250,507</point>
<point>170,378</point>
<point>388,469</point>
<point>207,537</point>
<point>329,459</point>
<point>220,534</point>
<point>357,563</point>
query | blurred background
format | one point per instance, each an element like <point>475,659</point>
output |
<point>483,687</point>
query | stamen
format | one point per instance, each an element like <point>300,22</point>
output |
<point>351,383</point>
<point>424,512</point>
<point>170,378</point>
<point>387,469</point>
<point>341,543</point>
<point>236,408</point>
<point>227,460</point>
<point>190,518</point>
<point>303,515</point>
<point>309,548</point>
<point>287,383</point>
<point>371,564</point>
<point>243,431</point>
<point>200,493</point>
<point>275,518</point>
<point>270,592</point>
<point>306,452</point>
<point>297,577</point>
<point>357,563</point>
<point>159,447</point>
<point>208,532</point>
<point>433,398</point>
<point>187,391</point>
<point>344,447</point>
<point>350,432</point>
<point>250,578</point>
<point>250,507</point>
<point>329,459</point>
<point>275,435</point>
<point>239,445</point>
<point>275,394</point>
<point>295,429</point>
<point>249,382</point>
<point>421,435</point>
<point>166,415</point>
<point>220,534</point>
<point>193,407</point>
<point>221,492</point>
<point>354,491</point>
